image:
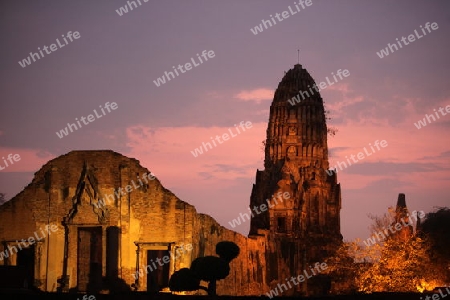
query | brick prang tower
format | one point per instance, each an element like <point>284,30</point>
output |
<point>305,228</point>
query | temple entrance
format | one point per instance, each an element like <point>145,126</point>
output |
<point>25,260</point>
<point>89,259</point>
<point>158,276</point>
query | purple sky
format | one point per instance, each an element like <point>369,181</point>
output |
<point>117,58</point>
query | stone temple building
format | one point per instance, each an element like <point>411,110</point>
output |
<point>306,228</point>
<point>96,243</point>
<point>92,221</point>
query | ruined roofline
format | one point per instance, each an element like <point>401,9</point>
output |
<point>203,215</point>
<point>47,166</point>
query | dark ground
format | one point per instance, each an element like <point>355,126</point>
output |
<point>17,295</point>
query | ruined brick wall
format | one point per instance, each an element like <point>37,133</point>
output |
<point>65,192</point>
<point>248,270</point>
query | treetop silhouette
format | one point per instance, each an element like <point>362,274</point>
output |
<point>207,268</point>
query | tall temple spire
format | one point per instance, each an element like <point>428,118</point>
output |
<point>298,131</point>
<point>296,160</point>
<point>402,217</point>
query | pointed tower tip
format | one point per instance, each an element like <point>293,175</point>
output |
<point>401,202</point>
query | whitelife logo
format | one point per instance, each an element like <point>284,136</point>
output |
<point>423,122</point>
<point>86,297</point>
<point>284,15</point>
<point>262,208</point>
<point>319,87</point>
<point>225,136</point>
<point>124,9</point>
<point>188,66</point>
<point>411,38</point>
<point>27,61</point>
<point>11,157</point>
<point>438,297</point>
<point>383,234</point>
<point>318,267</point>
<point>179,251</point>
<point>109,198</point>
<point>31,241</point>
<point>90,118</point>
<point>360,156</point>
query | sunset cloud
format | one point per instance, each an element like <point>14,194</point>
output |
<point>166,150</point>
<point>257,95</point>
<point>31,160</point>
<point>229,167</point>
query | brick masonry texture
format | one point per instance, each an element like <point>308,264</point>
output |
<point>63,192</point>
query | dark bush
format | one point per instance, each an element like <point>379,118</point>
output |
<point>227,250</point>
<point>184,280</point>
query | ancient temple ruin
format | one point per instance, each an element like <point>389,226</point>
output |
<point>304,229</point>
<point>95,220</point>
<point>111,221</point>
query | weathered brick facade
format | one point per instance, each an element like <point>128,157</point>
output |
<point>103,242</point>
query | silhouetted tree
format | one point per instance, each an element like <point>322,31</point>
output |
<point>227,250</point>
<point>208,268</point>
<point>184,280</point>
<point>436,228</point>
<point>211,269</point>
<point>331,130</point>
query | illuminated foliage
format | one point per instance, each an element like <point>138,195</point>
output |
<point>397,263</point>
<point>343,269</point>
<point>402,266</point>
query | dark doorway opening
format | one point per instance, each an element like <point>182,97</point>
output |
<point>112,252</point>
<point>25,260</point>
<point>157,276</point>
<point>281,224</point>
<point>89,259</point>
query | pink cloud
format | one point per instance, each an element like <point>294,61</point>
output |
<point>31,160</point>
<point>406,145</point>
<point>206,180</point>
<point>167,150</point>
<point>256,95</point>
<point>346,97</point>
